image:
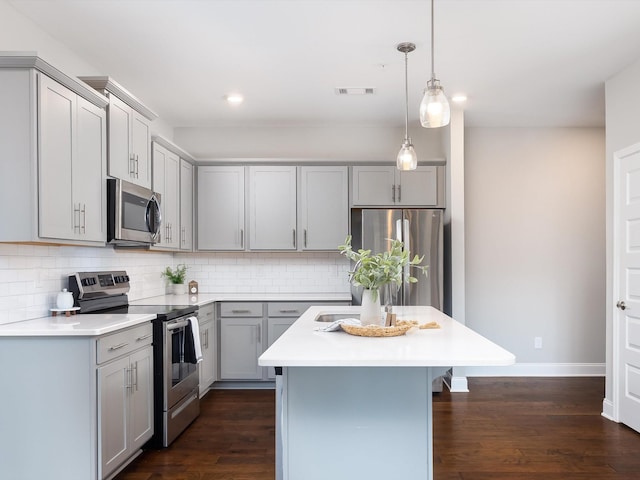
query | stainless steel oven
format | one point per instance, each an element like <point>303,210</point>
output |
<point>178,375</point>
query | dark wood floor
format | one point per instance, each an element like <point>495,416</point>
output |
<point>510,428</point>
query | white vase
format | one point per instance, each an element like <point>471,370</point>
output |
<point>370,313</point>
<point>178,288</point>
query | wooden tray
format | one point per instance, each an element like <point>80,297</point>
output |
<point>376,330</point>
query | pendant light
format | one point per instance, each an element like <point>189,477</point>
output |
<point>434,108</point>
<point>407,158</point>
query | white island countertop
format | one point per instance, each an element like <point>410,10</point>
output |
<point>451,345</point>
<point>87,325</point>
<point>204,298</point>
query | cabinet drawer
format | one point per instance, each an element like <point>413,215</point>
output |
<point>123,342</point>
<point>288,309</point>
<point>206,313</point>
<point>240,309</point>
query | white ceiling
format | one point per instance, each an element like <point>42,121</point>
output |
<point>521,62</point>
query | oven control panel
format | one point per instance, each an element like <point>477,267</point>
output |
<point>98,284</point>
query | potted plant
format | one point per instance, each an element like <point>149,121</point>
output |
<point>176,278</point>
<point>374,271</point>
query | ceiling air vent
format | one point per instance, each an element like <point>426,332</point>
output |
<point>355,90</point>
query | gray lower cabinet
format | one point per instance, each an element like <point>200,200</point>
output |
<point>86,410</point>
<point>247,329</point>
<point>125,395</point>
<point>206,322</point>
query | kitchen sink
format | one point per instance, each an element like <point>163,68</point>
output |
<point>332,317</point>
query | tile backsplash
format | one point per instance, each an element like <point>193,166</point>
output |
<point>32,275</point>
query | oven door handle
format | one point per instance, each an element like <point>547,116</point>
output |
<point>175,326</point>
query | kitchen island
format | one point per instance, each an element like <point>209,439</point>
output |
<point>360,407</point>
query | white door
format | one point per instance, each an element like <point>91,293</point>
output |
<point>272,208</point>
<point>627,264</point>
<point>324,207</point>
<point>89,171</point>
<point>58,215</point>
<point>141,403</point>
<point>186,205</point>
<point>221,208</point>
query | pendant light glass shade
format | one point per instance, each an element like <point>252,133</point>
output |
<point>434,108</point>
<point>407,158</point>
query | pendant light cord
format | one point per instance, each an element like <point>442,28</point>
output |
<point>406,97</point>
<point>433,72</point>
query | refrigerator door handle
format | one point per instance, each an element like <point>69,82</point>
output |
<point>399,230</point>
<point>406,238</point>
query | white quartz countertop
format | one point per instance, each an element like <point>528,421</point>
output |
<point>204,298</point>
<point>88,325</point>
<point>451,345</point>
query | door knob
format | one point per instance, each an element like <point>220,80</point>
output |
<point>621,305</point>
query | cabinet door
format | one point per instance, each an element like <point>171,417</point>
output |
<point>171,201</point>
<point>240,347</point>
<point>373,185</point>
<point>272,208</point>
<point>56,117</point>
<point>89,171</point>
<point>141,149</point>
<point>324,207</point>
<point>207,366</point>
<point>141,400</point>
<point>418,187</point>
<point>275,328</point>
<point>113,400</point>
<point>121,163</point>
<point>221,208</point>
<point>186,205</point>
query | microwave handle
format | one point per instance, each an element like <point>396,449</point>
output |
<point>154,217</point>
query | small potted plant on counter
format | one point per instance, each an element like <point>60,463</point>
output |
<point>176,279</point>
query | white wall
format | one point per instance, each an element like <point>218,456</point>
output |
<point>623,130</point>
<point>18,33</point>
<point>340,143</point>
<point>535,242</point>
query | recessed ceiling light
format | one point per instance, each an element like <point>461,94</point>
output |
<point>459,98</point>
<point>234,98</point>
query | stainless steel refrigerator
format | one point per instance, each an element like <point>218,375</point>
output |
<point>421,231</point>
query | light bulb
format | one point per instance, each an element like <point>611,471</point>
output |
<point>434,108</point>
<point>407,158</point>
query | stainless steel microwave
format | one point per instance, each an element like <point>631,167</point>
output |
<point>133,214</point>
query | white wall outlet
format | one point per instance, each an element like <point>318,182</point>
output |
<point>537,343</point>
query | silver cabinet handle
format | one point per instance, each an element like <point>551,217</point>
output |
<point>137,165</point>
<point>393,193</point>
<point>184,236</point>
<point>294,238</point>
<point>305,238</point>
<point>135,369</point>
<point>258,332</point>
<point>144,337</point>
<point>132,165</point>
<point>118,347</point>
<point>290,310</point>
<point>399,193</point>
<point>76,225</point>
<point>240,311</point>
<point>128,382</point>
<point>242,238</point>
<point>84,218</point>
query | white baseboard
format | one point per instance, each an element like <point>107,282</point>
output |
<point>607,410</point>
<point>540,370</point>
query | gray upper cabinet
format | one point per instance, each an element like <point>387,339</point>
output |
<point>272,208</point>
<point>166,182</point>
<point>221,208</point>
<point>387,186</point>
<point>129,123</point>
<point>186,205</point>
<point>323,208</point>
<point>52,141</point>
